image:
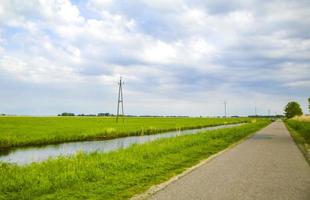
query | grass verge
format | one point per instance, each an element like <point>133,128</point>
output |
<point>300,131</point>
<point>116,175</point>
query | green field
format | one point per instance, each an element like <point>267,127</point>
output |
<point>119,174</point>
<point>302,127</point>
<point>300,131</point>
<point>22,131</point>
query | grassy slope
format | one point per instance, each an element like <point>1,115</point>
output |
<point>21,131</point>
<point>116,175</point>
<point>300,131</point>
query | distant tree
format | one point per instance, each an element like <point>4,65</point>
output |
<point>67,114</point>
<point>104,114</point>
<point>292,109</point>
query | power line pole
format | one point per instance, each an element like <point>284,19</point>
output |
<point>120,100</point>
<point>255,111</point>
<point>225,108</point>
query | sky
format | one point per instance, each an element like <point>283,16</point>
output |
<point>176,57</point>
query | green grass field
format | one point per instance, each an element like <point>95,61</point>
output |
<point>22,131</point>
<point>302,127</point>
<point>300,131</point>
<point>116,175</point>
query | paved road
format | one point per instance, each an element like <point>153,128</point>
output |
<point>266,166</point>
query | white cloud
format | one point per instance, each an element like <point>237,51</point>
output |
<point>159,52</point>
<point>102,4</point>
<point>60,11</point>
<point>300,84</point>
<point>293,72</point>
<point>182,50</point>
<point>165,6</point>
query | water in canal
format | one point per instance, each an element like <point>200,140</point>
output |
<point>26,155</point>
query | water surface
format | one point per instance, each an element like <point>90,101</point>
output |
<point>26,155</point>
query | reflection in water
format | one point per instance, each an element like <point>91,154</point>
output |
<point>4,152</point>
<point>35,154</point>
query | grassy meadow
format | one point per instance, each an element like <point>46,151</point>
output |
<point>300,131</point>
<point>23,131</point>
<point>119,174</point>
<point>302,127</point>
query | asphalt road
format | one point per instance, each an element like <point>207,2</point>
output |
<point>266,166</point>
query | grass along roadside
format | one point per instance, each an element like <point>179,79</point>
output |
<point>300,131</point>
<point>305,118</point>
<point>25,131</point>
<point>116,175</point>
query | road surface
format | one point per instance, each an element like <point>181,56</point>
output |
<point>266,166</point>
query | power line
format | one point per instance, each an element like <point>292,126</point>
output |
<point>120,100</point>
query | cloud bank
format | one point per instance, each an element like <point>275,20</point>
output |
<point>177,57</point>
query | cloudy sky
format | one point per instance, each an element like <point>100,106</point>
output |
<point>177,57</point>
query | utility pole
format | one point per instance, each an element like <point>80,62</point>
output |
<point>225,108</point>
<point>268,112</point>
<point>120,100</point>
<point>255,111</point>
